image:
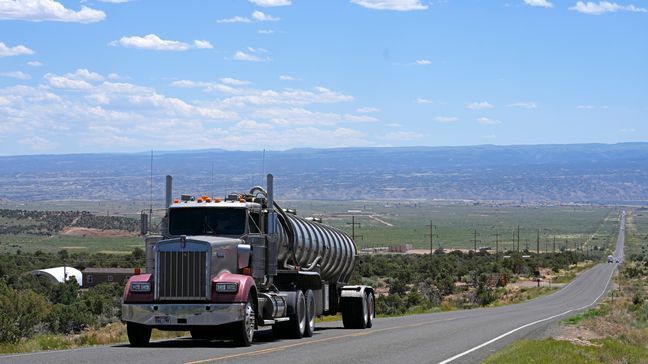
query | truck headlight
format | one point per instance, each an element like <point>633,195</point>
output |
<point>142,287</point>
<point>226,287</point>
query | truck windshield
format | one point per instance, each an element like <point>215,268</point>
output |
<point>206,221</point>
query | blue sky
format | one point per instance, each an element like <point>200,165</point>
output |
<point>118,75</point>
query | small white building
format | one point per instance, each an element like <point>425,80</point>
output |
<point>60,274</point>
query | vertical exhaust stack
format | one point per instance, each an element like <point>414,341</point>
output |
<point>169,190</point>
<point>271,251</point>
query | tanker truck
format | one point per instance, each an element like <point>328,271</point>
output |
<point>223,268</point>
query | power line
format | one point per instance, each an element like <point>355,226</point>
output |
<point>432,235</point>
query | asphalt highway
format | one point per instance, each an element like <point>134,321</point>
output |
<point>459,337</point>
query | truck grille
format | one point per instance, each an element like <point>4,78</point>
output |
<point>182,275</point>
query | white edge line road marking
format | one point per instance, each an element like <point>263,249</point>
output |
<point>527,325</point>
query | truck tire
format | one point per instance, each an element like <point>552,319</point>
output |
<point>355,313</point>
<point>310,314</point>
<point>243,333</point>
<point>371,308</point>
<point>138,335</point>
<point>297,323</point>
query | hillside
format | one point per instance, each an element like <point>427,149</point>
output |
<point>567,173</point>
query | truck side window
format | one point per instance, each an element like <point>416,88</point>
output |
<point>254,222</point>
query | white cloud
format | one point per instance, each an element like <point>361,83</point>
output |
<point>64,82</point>
<point>260,16</point>
<point>252,125</point>
<point>84,74</point>
<point>421,100</point>
<point>586,107</point>
<point>151,42</point>
<point>154,43</point>
<point>203,44</point>
<point>266,31</point>
<point>593,8</point>
<point>236,19</point>
<point>487,121</point>
<point>233,81</point>
<point>480,105</point>
<point>115,1</point>
<point>271,3</point>
<point>398,5</point>
<point>19,50</point>
<point>446,119</point>
<point>423,62</point>
<point>16,74</point>
<point>367,110</point>
<point>287,78</point>
<point>47,10</point>
<point>246,57</point>
<point>628,130</point>
<point>524,104</point>
<point>395,125</point>
<point>360,118</point>
<point>319,95</point>
<point>34,64</point>
<point>541,3</point>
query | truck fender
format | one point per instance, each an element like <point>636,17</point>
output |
<point>136,297</point>
<point>245,286</point>
<point>355,291</point>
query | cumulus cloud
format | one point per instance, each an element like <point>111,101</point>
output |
<point>397,5</point>
<point>203,44</point>
<point>154,43</point>
<point>270,3</point>
<point>247,57</point>
<point>65,82</point>
<point>446,119</point>
<point>287,78</point>
<point>19,50</point>
<point>421,100</point>
<point>266,31</point>
<point>260,16</point>
<point>233,81</point>
<point>540,3</point>
<point>367,110</point>
<point>524,104</point>
<point>34,64</point>
<point>487,121</point>
<point>480,105</point>
<point>47,10</point>
<point>602,7</point>
<point>423,62</point>
<point>16,74</point>
<point>236,19</point>
<point>38,143</point>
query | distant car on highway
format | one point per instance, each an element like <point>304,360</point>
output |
<point>610,259</point>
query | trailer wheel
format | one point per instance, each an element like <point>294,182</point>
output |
<point>355,313</point>
<point>244,330</point>
<point>138,335</point>
<point>310,314</point>
<point>297,323</point>
<point>371,308</point>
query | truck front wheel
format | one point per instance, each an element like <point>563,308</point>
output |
<point>244,330</point>
<point>138,335</point>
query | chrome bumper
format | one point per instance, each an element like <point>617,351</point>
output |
<point>173,314</point>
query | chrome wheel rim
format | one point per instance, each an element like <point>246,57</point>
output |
<point>249,321</point>
<point>311,313</point>
<point>370,305</point>
<point>301,315</point>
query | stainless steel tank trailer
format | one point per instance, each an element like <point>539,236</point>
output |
<point>223,268</point>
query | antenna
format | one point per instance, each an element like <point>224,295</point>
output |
<point>151,192</point>
<point>263,164</point>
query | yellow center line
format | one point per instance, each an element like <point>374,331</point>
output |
<point>315,341</point>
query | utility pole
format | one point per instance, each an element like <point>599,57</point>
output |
<point>538,243</point>
<point>497,235</point>
<point>432,235</point>
<point>554,245</point>
<point>518,238</point>
<point>475,239</point>
<point>353,225</point>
